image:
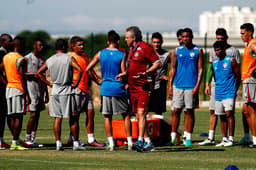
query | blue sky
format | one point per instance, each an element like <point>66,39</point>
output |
<point>83,16</point>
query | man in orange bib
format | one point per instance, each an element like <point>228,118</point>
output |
<point>16,90</point>
<point>249,77</point>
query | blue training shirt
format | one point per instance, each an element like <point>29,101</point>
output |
<point>187,67</point>
<point>225,79</point>
<point>110,61</point>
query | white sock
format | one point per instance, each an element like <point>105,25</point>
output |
<point>173,136</point>
<point>224,138</point>
<point>231,138</point>
<point>129,140</point>
<point>185,134</point>
<point>90,137</point>
<point>211,134</point>
<point>14,142</point>
<point>76,144</point>
<point>111,141</point>
<point>188,136</point>
<point>147,139</point>
<point>254,140</point>
<point>28,136</point>
<point>247,136</point>
<point>140,138</point>
<point>33,135</point>
<point>58,143</point>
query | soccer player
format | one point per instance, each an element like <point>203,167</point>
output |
<point>62,103</point>
<point>227,77</point>
<point>179,36</point>
<point>37,90</point>
<point>157,101</point>
<point>83,99</point>
<point>16,90</point>
<point>5,40</point>
<point>249,78</point>
<point>140,83</point>
<point>113,92</point>
<point>186,75</point>
<point>221,35</point>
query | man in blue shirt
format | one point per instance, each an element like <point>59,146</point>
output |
<point>185,78</point>
<point>227,77</point>
<point>113,92</point>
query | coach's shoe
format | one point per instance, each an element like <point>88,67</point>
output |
<point>97,144</point>
<point>78,148</point>
<point>24,144</point>
<point>148,147</point>
<point>207,142</point>
<point>222,143</point>
<point>139,146</point>
<point>244,141</point>
<point>188,143</point>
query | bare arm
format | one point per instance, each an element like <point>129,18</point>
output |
<point>172,73</point>
<point>200,72</point>
<point>40,74</point>
<point>2,79</point>
<point>22,71</point>
<point>94,61</point>
<point>236,69</point>
<point>76,66</point>
<point>91,72</point>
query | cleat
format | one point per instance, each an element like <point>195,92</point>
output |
<point>229,143</point>
<point>110,148</point>
<point>129,147</point>
<point>244,141</point>
<point>78,148</point>
<point>207,142</point>
<point>4,146</point>
<point>59,148</point>
<point>36,145</point>
<point>139,146</point>
<point>24,144</point>
<point>17,147</point>
<point>183,140</point>
<point>95,143</point>
<point>173,143</point>
<point>188,143</point>
<point>29,143</point>
<point>148,147</point>
<point>222,143</point>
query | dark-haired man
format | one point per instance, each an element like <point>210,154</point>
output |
<point>62,103</point>
<point>82,96</point>
<point>37,90</point>
<point>113,92</point>
<point>5,40</point>
<point>227,76</point>
<point>157,101</point>
<point>249,77</point>
<point>185,78</point>
<point>221,35</point>
<point>16,90</point>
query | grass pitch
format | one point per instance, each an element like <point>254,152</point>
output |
<point>166,157</point>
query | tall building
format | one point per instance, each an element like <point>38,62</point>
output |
<point>229,17</point>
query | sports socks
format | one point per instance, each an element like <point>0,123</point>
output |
<point>254,140</point>
<point>111,141</point>
<point>147,140</point>
<point>129,140</point>
<point>173,136</point>
<point>140,138</point>
<point>211,134</point>
<point>90,137</point>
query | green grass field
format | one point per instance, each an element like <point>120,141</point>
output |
<point>177,157</point>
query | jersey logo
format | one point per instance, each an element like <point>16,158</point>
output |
<point>180,55</point>
<point>136,54</point>
<point>111,53</point>
<point>225,65</point>
<point>138,48</point>
<point>192,54</point>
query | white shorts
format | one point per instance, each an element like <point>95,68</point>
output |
<point>90,102</point>
<point>182,98</point>
<point>37,101</point>
<point>224,105</point>
<point>249,90</point>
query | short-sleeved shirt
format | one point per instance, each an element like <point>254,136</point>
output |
<point>138,62</point>
<point>110,61</point>
<point>61,73</point>
<point>187,67</point>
